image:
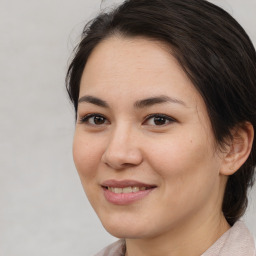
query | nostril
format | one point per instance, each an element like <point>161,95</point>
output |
<point>128,165</point>
<point>121,158</point>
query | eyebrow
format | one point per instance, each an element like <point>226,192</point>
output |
<point>94,100</point>
<point>157,100</point>
<point>138,104</point>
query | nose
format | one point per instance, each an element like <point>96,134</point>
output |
<point>122,150</point>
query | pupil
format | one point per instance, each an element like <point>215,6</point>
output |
<point>98,120</point>
<point>159,120</point>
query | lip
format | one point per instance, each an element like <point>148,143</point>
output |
<point>125,183</point>
<point>125,198</point>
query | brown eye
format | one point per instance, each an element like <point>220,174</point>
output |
<point>158,120</point>
<point>98,120</point>
<point>94,119</point>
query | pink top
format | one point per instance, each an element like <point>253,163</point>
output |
<point>237,241</point>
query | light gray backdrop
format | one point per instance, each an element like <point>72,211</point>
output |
<point>43,210</point>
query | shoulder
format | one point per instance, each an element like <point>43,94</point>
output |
<point>115,249</point>
<point>237,241</point>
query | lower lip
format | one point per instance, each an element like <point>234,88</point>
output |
<point>125,198</point>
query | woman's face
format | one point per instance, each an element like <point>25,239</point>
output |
<point>143,143</point>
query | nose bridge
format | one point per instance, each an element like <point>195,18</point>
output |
<point>122,147</point>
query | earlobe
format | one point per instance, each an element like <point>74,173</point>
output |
<point>239,149</point>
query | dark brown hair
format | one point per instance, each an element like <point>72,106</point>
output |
<point>214,51</point>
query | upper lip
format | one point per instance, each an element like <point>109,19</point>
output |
<point>125,183</point>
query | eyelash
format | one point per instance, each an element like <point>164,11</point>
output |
<point>167,118</point>
<point>85,119</point>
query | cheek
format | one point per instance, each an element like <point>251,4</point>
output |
<point>188,169</point>
<point>178,154</point>
<point>86,155</point>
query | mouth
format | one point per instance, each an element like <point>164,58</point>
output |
<point>126,191</point>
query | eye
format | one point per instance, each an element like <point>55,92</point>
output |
<point>158,120</point>
<point>94,119</point>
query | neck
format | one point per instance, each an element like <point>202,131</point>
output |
<point>187,239</point>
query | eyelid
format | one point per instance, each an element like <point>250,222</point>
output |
<point>168,118</point>
<point>84,119</point>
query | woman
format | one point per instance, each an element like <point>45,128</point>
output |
<point>164,93</point>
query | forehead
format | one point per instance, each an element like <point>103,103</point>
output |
<point>136,67</point>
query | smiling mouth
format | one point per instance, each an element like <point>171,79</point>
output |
<point>126,190</point>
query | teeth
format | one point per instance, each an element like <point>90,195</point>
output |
<point>126,190</point>
<point>117,190</point>
<point>135,189</point>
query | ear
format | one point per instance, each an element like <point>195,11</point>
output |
<point>239,148</point>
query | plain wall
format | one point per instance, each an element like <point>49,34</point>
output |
<point>43,207</point>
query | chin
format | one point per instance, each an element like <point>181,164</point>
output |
<point>125,230</point>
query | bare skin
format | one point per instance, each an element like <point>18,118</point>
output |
<point>141,119</point>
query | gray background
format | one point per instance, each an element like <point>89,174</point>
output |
<point>43,208</point>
